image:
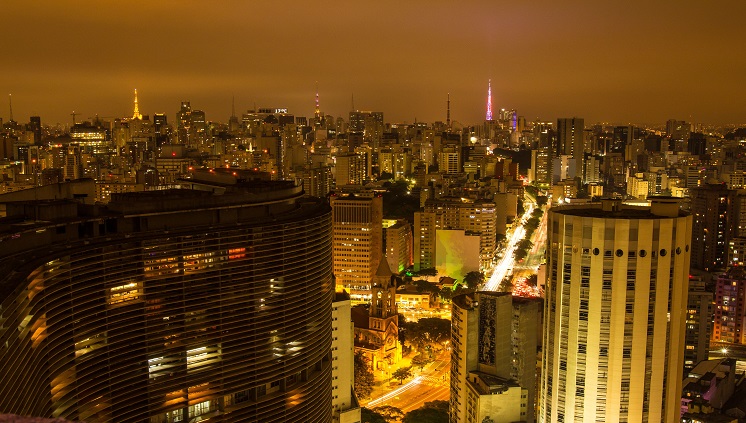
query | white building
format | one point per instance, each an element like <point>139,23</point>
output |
<point>615,312</point>
<point>345,408</point>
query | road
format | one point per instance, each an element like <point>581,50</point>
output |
<point>518,272</point>
<point>431,384</point>
<point>504,266</point>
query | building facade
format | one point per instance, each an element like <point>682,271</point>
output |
<point>615,312</point>
<point>494,337</point>
<point>715,220</point>
<point>358,242</point>
<point>345,408</point>
<point>730,310</point>
<point>699,312</point>
<point>169,306</point>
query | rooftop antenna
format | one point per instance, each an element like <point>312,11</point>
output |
<point>448,113</point>
<point>353,102</point>
<point>233,107</point>
<point>10,100</point>
<point>73,114</point>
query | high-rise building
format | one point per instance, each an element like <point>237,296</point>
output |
<point>73,167</point>
<point>715,220</point>
<point>345,408</point>
<point>34,126</point>
<point>493,358</point>
<point>398,244</point>
<point>358,242</point>
<point>184,122</point>
<point>167,306</point>
<point>477,217</point>
<point>349,169</point>
<point>569,137</point>
<point>368,124</point>
<point>730,307</point>
<point>699,312</point>
<point>615,312</point>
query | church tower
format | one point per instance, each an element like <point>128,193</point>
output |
<point>383,313</point>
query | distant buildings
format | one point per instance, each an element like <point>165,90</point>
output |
<point>615,312</point>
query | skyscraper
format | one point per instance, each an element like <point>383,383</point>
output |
<point>730,309</point>
<point>698,323</point>
<point>715,223</point>
<point>169,306</point>
<point>493,357</point>
<point>614,314</point>
<point>570,138</point>
<point>358,242</point>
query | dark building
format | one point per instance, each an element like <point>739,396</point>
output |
<point>35,127</point>
<point>569,137</point>
<point>713,208</point>
<point>169,306</point>
<point>699,312</point>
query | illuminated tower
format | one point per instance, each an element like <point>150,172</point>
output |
<point>489,100</point>
<point>317,113</point>
<point>615,312</point>
<point>136,114</point>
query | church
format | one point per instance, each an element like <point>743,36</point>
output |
<point>377,326</point>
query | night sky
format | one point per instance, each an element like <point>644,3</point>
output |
<point>631,61</point>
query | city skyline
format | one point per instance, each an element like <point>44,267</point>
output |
<point>619,63</point>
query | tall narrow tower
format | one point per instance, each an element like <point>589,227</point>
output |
<point>317,113</point>
<point>136,114</point>
<point>448,112</point>
<point>489,100</point>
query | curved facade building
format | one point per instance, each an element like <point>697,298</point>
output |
<point>615,313</point>
<point>170,306</point>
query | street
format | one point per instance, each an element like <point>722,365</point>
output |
<point>431,384</point>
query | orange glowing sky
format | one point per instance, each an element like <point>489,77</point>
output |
<point>632,61</point>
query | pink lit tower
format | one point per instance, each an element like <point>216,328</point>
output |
<point>489,100</point>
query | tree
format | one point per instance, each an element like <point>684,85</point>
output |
<point>389,412</point>
<point>369,416</point>
<point>428,272</point>
<point>385,176</point>
<point>402,373</point>
<point>425,286</point>
<point>421,360</point>
<point>363,376</point>
<point>446,293</point>
<point>428,332</point>
<point>473,279</point>
<point>431,412</point>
